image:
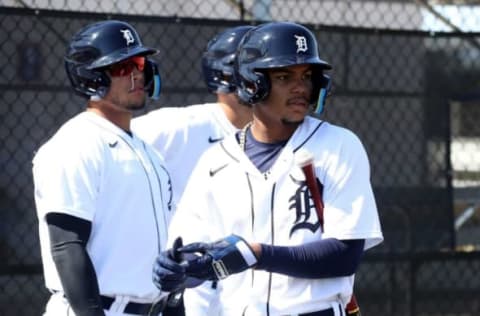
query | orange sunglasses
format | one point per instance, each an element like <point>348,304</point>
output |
<point>126,67</point>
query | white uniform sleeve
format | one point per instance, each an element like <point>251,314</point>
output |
<point>166,129</point>
<point>350,209</point>
<point>67,178</point>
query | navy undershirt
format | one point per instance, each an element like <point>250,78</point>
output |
<point>262,155</point>
<point>325,258</point>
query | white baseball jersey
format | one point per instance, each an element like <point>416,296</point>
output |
<point>93,170</point>
<point>181,135</point>
<point>227,195</point>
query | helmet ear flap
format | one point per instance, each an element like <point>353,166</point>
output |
<point>87,82</point>
<point>153,82</point>
<point>325,86</point>
<point>254,90</point>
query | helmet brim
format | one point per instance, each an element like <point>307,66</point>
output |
<point>286,61</point>
<point>121,55</point>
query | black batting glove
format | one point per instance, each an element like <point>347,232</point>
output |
<point>168,273</point>
<point>217,260</point>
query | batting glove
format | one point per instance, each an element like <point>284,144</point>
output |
<point>219,259</point>
<point>168,273</point>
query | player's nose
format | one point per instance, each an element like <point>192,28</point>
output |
<point>301,87</point>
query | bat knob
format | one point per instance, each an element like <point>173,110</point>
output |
<point>303,158</point>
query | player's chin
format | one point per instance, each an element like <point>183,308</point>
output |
<point>137,105</point>
<point>298,114</point>
<point>293,121</point>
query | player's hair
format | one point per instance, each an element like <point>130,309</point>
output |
<point>217,60</point>
<point>276,45</point>
<point>99,45</point>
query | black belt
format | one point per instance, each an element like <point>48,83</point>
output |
<point>152,309</point>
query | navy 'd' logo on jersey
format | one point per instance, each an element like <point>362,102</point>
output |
<point>302,204</point>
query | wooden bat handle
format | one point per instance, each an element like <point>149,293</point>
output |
<point>312,185</point>
<point>305,161</point>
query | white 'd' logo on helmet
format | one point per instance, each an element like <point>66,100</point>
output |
<point>127,35</point>
<point>301,43</point>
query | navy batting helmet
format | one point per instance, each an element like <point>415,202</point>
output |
<point>276,45</point>
<point>96,47</point>
<point>217,60</point>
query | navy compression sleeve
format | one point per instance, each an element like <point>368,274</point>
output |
<point>69,236</point>
<point>325,258</point>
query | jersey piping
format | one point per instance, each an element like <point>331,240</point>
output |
<point>152,198</point>
<point>309,137</point>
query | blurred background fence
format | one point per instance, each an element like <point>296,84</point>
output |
<point>406,80</point>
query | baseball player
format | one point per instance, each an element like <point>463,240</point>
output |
<point>103,196</point>
<point>181,135</point>
<point>248,213</point>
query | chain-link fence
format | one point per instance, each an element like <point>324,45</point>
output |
<point>406,80</point>
<point>438,15</point>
